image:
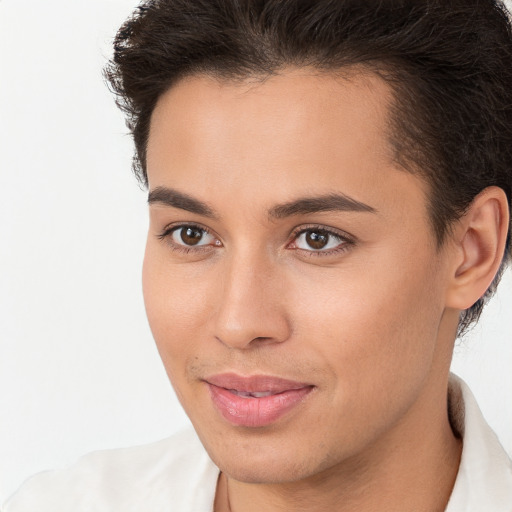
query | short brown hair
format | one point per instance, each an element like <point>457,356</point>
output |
<point>449,63</point>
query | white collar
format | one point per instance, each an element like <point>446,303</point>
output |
<point>484,480</point>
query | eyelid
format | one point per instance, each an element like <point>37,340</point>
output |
<point>169,229</point>
<point>347,240</point>
<point>176,225</point>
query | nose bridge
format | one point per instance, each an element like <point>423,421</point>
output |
<point>250,310</point>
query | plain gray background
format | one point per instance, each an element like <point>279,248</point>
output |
<point>78,367</point>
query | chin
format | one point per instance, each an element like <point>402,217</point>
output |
<point>265,472</point>
<point>263,462</point>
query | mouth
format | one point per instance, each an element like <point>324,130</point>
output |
<point>255,401</point>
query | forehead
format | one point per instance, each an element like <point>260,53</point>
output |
<point>284,91</point>
<point>292,107</point>
<point>292,134</point>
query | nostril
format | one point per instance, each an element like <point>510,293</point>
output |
<point>243,343</point>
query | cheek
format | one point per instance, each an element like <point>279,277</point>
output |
<point>375,326</point>
<point>374,339</point>
<point>175,298</point>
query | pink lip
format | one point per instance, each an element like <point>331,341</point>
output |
<point>257,411</point>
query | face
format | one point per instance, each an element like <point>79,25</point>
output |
<point>291,277</point>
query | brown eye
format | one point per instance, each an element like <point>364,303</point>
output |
<point>318,240</point>
<point>192,236</point>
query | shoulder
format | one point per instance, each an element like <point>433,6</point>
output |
<point>484,480</point>
<point>174,474</point>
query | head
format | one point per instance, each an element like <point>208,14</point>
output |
<point>448,64</point>
<point>313,169</point>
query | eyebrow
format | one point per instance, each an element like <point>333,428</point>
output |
<point>326,203</point>
<point>302,206</point>
<point>175,199</point>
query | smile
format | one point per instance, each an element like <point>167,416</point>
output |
<point>248,394</point>
<point>255,401</point>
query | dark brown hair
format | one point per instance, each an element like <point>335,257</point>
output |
<point>449,63</point>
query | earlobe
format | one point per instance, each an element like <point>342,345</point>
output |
<point>480,238</point>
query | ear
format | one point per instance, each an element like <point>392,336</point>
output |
<point>479,237</point>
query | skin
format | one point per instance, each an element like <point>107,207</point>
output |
<point>370,322</point>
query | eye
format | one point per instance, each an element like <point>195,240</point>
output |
<point>192,236</point>
<point>319,240</point>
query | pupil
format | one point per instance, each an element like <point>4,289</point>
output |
<point>317,239</point>
<point>191,236</point>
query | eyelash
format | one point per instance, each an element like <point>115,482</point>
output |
<point>166,236</point>
<point>346,241</point>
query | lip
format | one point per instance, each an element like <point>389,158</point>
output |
<point>232,396</point>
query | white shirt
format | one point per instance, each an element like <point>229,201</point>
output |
<point>176,474</point>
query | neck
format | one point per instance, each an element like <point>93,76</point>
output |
<point>412,467</point>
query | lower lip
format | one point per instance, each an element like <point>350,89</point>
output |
<point>255,412</point>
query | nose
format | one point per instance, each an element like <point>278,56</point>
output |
<point>251,308</point>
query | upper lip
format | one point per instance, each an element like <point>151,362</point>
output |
<point>255,383</point>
